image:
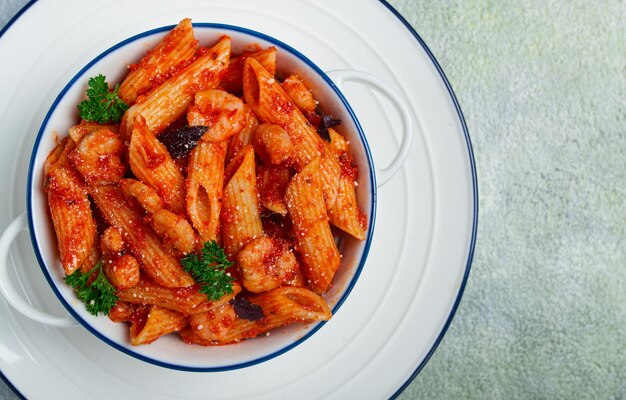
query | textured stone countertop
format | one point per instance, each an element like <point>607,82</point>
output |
<point>542,85</point>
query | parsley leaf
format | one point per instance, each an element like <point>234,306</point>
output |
<point>99,296</point>
<point>102,106</point>
<point>209,270</point>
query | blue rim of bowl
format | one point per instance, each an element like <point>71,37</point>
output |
<point>474,189</point>
<point>32,186</point>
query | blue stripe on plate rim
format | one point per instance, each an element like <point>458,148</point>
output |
<point>474,188</point>
<point>2,32</point>
<point>472,163</point>
<point>31,186</point>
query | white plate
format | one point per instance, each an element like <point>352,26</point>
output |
<point>426,220</point>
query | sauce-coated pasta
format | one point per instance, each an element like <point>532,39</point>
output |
<point>259,181</point>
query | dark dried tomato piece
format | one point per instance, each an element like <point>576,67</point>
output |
<point>181,141</point>
<point>247,310</point>
<point>327,121</point>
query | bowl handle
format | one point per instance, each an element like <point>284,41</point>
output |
<point>9,292</point>
<point>340,76</point>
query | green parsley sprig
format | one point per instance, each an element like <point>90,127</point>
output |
<point>99,296</point>
<point>209,270</point>
<point>102,105</point>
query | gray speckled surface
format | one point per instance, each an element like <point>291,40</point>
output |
<point>543,88</point>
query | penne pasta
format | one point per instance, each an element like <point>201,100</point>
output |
<point>93,258</point>
<point>143,243</point>
<point>345,214</point>
<point>232,81</point>
<point>204,187</point>
<point>169,101</point>
<point>272,105</point>
<point>152,164</point>
<point>314,240</point>
<point>174,51</point>
<point>70,210</point>
<point>59,157</point>
<point>151,322</point>
<point>244,136</point>
<point>282,306</point>
<point>240,218</point>
<point>187,300</point>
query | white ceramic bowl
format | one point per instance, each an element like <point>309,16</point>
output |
<point>170,351</point>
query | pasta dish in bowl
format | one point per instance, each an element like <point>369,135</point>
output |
<point>204,205</point>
